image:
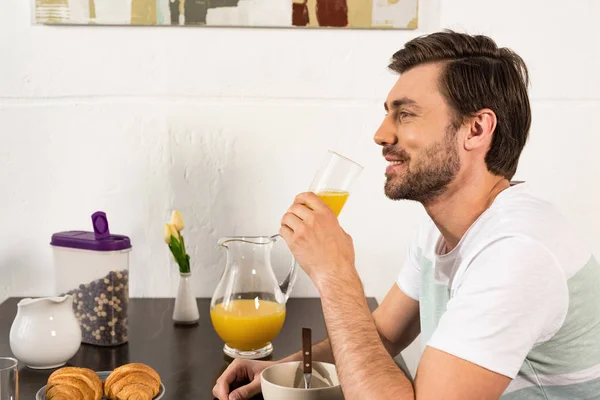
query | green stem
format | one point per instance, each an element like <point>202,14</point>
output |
<point>179,254</point>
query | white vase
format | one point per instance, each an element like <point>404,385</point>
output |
<point>186,306</point>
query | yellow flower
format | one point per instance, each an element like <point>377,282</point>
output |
<point>177,220</point>
<point>169,231</point>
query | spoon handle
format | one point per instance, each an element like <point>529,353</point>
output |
<point>307,350</point>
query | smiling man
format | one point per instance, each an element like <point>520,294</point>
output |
<point>500,287</point>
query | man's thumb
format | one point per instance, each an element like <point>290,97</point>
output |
<point>245,392</point>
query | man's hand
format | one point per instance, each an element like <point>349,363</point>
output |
<point>238,371</point>
<point>319,244</point>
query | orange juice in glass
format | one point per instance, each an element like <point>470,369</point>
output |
<point>335,199</point>
<point>333,180</point>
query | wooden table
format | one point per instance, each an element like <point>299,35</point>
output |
<point>189,359</point>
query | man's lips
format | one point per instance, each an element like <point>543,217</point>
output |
<point>398,160</point>
<point>392,158</point>
<point>395,166</point>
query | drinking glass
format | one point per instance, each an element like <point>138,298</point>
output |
<point>9,379</point>
<point>334,179</point>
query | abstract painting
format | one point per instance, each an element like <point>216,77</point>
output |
<point>373,14</point>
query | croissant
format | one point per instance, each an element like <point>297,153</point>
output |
<point>134,381</point>
<point>70,383</point>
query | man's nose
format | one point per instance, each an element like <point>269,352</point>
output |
<point>386,134</point>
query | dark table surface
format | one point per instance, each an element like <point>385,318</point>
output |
<point>189,359</point>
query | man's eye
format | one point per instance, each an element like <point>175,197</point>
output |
<point>403,114</point>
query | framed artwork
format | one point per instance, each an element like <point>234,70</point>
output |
<point>368,14</point>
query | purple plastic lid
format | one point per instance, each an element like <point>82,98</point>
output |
<point>99,240</point>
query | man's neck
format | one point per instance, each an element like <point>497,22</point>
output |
<point>457,209</point>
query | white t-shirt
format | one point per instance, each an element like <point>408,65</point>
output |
<point>519,295</point>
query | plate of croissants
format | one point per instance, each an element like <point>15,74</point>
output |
<point>133,381</point>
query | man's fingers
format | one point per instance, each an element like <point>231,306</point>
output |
<point>292,221</point>
<point>221,389</point>
<point>246,392</point>
<point>302,212</point>
<point>310,200</point>
<point>232,373</point>
<point>286,233</point>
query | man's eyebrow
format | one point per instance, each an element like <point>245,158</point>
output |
<point>399,102</point>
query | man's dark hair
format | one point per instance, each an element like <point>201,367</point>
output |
<point>477,75</point>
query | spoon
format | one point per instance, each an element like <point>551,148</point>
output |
<point>307,356</point>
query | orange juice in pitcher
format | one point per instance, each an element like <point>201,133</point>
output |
<point>248,324</point>
<point>248,306</point>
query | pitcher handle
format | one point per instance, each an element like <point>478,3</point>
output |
<point>288,283</point>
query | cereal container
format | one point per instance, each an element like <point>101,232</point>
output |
<point>93,267</point>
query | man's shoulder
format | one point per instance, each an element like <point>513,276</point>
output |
<point>519,202</point>
<point>528,221</point>
<point>521,213</point>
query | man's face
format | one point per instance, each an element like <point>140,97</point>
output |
<point>418,138</point>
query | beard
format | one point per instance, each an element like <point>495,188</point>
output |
<point>429,177</point>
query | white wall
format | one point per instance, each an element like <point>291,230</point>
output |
<point>228,125</point>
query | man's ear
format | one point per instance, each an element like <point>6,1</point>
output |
<point>481,129</point>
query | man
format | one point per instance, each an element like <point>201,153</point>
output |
<point>497,283</point>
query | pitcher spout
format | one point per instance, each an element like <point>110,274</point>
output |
<point>52,300</point>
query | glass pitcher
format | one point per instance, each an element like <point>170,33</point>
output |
<point>248,306</point>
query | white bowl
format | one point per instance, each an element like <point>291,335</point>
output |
<point>286,381</point>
